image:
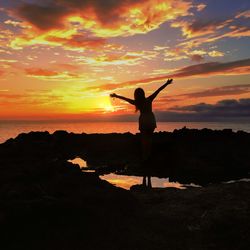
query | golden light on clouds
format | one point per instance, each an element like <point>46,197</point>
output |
<point>68,56</point>
<point>128,19</point>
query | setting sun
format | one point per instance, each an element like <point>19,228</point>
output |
<point>72,63</point>
<point>98,96</point>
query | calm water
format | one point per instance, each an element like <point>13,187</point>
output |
<point>125,181</point>
<point>10,129</point>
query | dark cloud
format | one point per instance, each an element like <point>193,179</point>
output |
<point>197,58</point>
<point>230,109</point>
<point>50,15</point>
<point>201,26</point>
<point>225,110</point>
<point>108,14</point>
<point>212,68</point>
<point>221,91</point>
<point>42,17</point>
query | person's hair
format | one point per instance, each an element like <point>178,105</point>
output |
<point>139,95</point>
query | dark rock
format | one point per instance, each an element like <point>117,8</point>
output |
<point>186,155</point>
<point>49,203</point>
<point>215,217</point>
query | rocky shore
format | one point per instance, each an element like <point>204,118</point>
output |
<point>49,203</point>
<point>186,155</point>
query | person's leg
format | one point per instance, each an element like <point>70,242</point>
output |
<point>146,142</point>
<point>149,182</point>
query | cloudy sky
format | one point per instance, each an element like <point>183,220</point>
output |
<point>62,59</point>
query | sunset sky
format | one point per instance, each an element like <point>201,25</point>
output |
<point>62,58</point>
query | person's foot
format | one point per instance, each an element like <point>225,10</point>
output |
<point>139,188</point>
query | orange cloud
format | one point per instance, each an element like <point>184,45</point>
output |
<point>27,103</point>
<point>5,36</point>
<point>77,41</point>
<point>65,38</point>
<point>62,22</point>
<point>211,31</point>
<point>215,53</point>
<point>245,14</point>
<point>176,54</point>
<point>119,58</point>
<point>6,95</point>
<point>48,74</point>
<point>40,72</point>
<point>237,31</point>
<point>205,69</point>
<point>16,24</point>
<point>119,17</point>
<point>66,66</point>
<point>201,7</point>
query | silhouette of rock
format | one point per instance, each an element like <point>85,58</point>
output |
<point>49,203</point>
<point>215,217</point>
<point>186,155</point>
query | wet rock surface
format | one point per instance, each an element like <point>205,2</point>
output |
<point>49,203</point>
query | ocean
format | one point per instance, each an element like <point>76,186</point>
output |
<point>10,129</point>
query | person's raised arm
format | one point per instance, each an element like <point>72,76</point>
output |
<point>123,98</point>
<point>152,97</point>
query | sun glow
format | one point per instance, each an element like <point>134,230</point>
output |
<point>63,58</point>
<point>105,105</point>
<point>82,102</point>
<point>109,109</point>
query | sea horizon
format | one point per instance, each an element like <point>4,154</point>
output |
<point>11,128</point>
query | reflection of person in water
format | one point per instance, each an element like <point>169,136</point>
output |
<point>147,123</point>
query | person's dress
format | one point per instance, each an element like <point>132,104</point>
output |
<point>147,122</point>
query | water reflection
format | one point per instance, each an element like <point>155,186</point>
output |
<point>79,161</point>
<point>126,181</point>
<point>240,180</point>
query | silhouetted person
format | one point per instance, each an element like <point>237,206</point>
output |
<point>147,123</point>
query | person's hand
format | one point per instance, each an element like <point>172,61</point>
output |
<point>113,95</point>
<point>169,81</point>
